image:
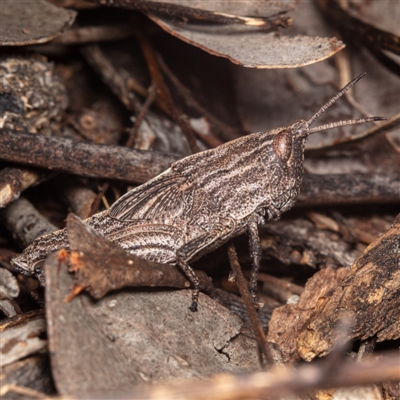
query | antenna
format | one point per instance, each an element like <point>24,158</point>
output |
<point>343,123</point>
<point>323,108</point>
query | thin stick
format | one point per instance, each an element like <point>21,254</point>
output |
<point>15,180</point>
<point>158,80</point>
<point>248,301</point>
<point>111,77</point>
<point>349,189</point>
<point>96,203</point>
<point>151,96</point>
<point>23,391</point>
<point>228,132</point>
<point>275,383</point>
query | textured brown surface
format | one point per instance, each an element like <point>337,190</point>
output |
<point>25,221</point>
<point>314,247</point>
<point>32,97</point>
<point>287,321</point>
<point>369,297</point>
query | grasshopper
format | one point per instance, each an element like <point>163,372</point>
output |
<point>204,200</point>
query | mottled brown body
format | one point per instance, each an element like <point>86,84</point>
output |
<point>203,201</point>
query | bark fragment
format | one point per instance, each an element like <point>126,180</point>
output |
<point>32,97</point>
<point>21,336</point>
<point>13,181</point>
<point>369,296</point>
<point>288,320</point>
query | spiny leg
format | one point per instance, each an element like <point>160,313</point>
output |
<point>255,253</point>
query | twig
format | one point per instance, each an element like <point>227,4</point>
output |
<point>228,132</point>
<point>248,301</point>
<point>342,60</point>
<point>151,96</point>
<point>273,383</point>
<point>277,288</point>
<point>23,391</point>
<point>374,38</point>
<point>25,221</point>
<point>95,57</point>
<point>349,189</point>
<point>80,158</point>
<point>163,91</point>
<point>15,180</point>
<point>96,203</point>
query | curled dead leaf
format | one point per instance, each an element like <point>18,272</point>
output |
<point>256,49</point>
<point>35,22</point>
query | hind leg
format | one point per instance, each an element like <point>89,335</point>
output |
<point>186,252</point>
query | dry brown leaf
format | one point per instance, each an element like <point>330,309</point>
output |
<point>366,24</point>
<point>32,22</point>
<point>239,11</point>
<point>369,297</point>
<point>270,99</point>
<point>137,337</point>
<point>255,49</point>
<point>261,9</point>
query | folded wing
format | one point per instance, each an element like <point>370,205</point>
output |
<point>160,198</point>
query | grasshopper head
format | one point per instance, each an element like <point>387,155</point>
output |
<point>288,144</point>
<point>285,159</point>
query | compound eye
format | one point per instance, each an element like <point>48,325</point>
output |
<point>282,145</point>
